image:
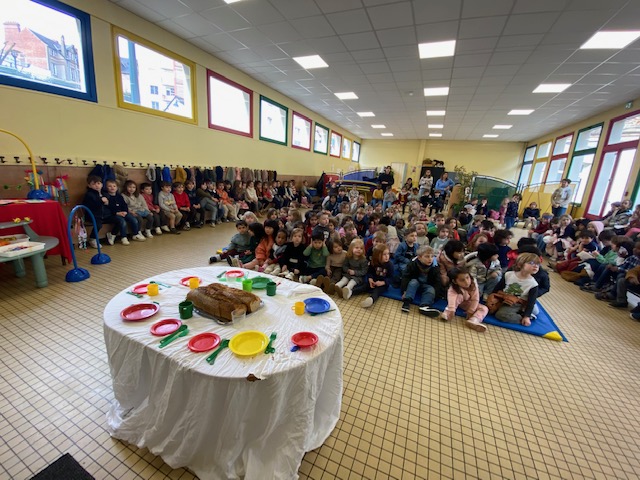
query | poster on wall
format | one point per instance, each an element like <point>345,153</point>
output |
<point>273,121</point>
<point>336,144</point>
<point>346,148</point>
<point>321,139</point>
<point>300,131</point>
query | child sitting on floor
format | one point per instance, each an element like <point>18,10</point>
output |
<point>378,276</point>
<point>421,274</point>
<point>316,255</point>
<point>354,268</point>
<point>519,291</point>
<point>463,293</point>
<point>238,244</point>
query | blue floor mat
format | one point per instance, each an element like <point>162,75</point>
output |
<point>542,326</point>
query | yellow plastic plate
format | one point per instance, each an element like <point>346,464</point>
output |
<point>249,343</point>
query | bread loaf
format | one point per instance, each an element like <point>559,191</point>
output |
<point>219,300</point>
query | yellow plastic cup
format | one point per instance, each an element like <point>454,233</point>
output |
<point>298,308</point>
<point>194,282</point>
<point>152,289</point>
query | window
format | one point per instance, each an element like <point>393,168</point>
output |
<point>346,148</point>
<point>141,64</point>
<point>321,139</point>
<point>355,155</point>
<point>154,90</point>
<point>46,46</point>
<point>155,105</point>
<point>543,150</point>
<point>540,164</point>
<point>336,144</point>
<point>230,105</point>
<point>582,160</point>
<point>526,166</point>
<point>538,173</point>
<point>301,131</point>
<point>618,155</point>
<point>273,121</point>
<point>559,158</point>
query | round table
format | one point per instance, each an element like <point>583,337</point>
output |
<point>241,417</point>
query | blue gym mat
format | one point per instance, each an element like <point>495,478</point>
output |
<point>542,326</point>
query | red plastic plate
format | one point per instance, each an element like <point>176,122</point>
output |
<point>139,311</point>
<point>185,280</point>
<point>204,342</point>
<point>304,339</point>
<point>234,274</point>
<point>140,289</point>
<point>165,327</point>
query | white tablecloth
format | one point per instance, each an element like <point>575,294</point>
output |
<point>210,418</point>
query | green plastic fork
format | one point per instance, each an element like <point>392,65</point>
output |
<point>212,358</point>
<point>269,348</point>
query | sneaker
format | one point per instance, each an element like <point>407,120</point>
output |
<point>636,309</point>
<point>198,225</point>
<point>367,302</point>
<point>617,304</point>
<point>213,224</point>
<point>158,231</point>
<point>235,262</point>
<point>429,312</point>
<point>588,287</point>
<point>138,237</point>
<point>111,238</point>
<point>304,278</point>
<point>93,243</point>
<point>346,293</point>
<point>214,259</point>
<point>476,325</point>
<point>186,226</point>
<point>604,296</point>
<point>635,315</point>
<point>148,234</point>
<point>165,228</point>
<point>314,282</point>
<point>289,275</point>
<point>406,306</point>
<point>174,231</point>
<point>124,241</point>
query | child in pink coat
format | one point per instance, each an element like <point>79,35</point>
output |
<point>463,293</point>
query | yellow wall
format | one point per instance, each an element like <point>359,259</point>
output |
<point>594,120</point>
<point>56,126</point>
<point>496,159</point>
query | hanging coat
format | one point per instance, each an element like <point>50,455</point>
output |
<point>166,174</point>
<point>151,174</point>
<point>219,174</point>
<point>199,177</point>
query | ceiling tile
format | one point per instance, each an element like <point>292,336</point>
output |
<point>401,52</point>
<point>527,6</point>
<point>397,36</point>
<point>360,41</point>
<point>471,60</point>
<point>223,41</point>
<point>470,45</point>
<point>405,65</point>
<point>486,8</point>
<point>269,52</point>
<point>328,45</point>
<point>375,67</point>
<point>280,32</point>
<point>481,27</point>
<point>519,41</point>
<point>371,54</point>
<point>530,23</point>
<point>510,58</point>
<point>436,32</point>
<point>391,16</point>
<point>331,6</point>
<point>173,27</point>
<point>225,18</point>
<point>436,10</point>
<point>352,21</point>
<point>588,21</point>
<point>313,27</point>
<point>167,9</point>
<point>250,37</point>
<point>292,9</point>
<point>196,24</point>
<point>258,13</point>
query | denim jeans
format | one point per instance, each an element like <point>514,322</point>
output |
<point>386,204</point>
<point>558,211</point>
<point>509,222</point>
<point>513,313</point>
<point>120,223</point>
<point>428,292</point>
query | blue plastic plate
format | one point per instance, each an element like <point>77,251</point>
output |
<point>317,305</point>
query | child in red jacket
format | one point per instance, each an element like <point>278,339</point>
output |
<point>184,206</point>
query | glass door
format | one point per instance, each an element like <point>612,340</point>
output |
<point>612,180</point>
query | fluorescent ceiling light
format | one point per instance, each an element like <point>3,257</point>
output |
<point>387,134</point>
<point>520,112</point>
<point>502,127</point>
<point>437,49</point>
<point>435,134</point>
<point>611,40</point>
<point>489,135</point>
<point>378,126</point>
<point>435,125</point>
<point>366,114</point>
<point>231,1</point>
<point>435,113</point>
<point>552,87</point>
<point>311,61</point>
<point>436,92</point>
<point>346,95</point>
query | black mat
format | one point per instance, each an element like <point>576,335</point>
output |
<point>64,468</point>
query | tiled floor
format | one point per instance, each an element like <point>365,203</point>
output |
<point>422,399</point>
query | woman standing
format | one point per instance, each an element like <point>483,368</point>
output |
<point>444,184</point>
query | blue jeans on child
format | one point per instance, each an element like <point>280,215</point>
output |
<point>509,222</point>
<point>386,204</point>
<point>428,292</point>
<point>120,223</point>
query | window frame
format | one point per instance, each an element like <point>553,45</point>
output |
<point>295,114</point>
<point>339,143</point>
<point>527,162</point>
<point>559,156</point>
<point>286,125</point>
<point>541,160</point>
<point>91,94</point>
<point>326,129</point>
<point>580,153</point>
<point>346,141</point>
<point>222,78</point>
<point>353,150</point>
<point>119,32</point>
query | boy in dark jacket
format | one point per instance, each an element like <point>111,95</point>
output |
<point>420,274</point>
<point>98,204</point>
<point>120,216</point>
<point>293,262</point>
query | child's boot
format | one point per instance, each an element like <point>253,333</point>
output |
<point>406,305</point>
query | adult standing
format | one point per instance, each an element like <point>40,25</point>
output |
<point>444,184</point>
<point>385,179</point>
<point>425,183</point>
<point>560,198</point>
